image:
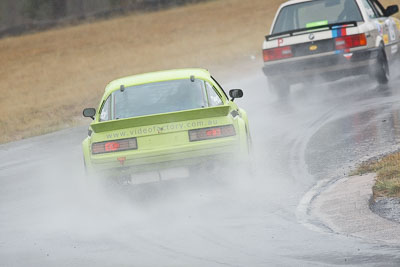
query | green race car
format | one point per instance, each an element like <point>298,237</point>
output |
<point>164,125</point>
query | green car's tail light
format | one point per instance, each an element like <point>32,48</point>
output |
<point>114,146</point>
<point>211,133</point>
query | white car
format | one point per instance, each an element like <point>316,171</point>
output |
<point>331,39</point>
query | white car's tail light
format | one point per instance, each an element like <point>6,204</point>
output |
<point>211,133</point>
<point>277,53</point>
<point>350,41</point>
<point>114,146</point>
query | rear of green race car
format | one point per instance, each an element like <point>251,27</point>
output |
<point>181,141</point>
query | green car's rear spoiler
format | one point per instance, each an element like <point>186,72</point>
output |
<point>193,114</point>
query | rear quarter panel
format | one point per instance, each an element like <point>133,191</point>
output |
<point>86,152</point>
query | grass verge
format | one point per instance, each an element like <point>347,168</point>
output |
<point>388,175</point>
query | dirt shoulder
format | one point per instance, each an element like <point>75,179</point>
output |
<point>47,78</point>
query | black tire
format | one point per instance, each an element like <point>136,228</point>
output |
<point>382,74</point>
<point>281,89</point>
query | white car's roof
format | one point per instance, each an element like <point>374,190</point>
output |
<point>291,2</point>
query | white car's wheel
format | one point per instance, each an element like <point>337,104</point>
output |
<point>382,72</point>
<point>281,89</point>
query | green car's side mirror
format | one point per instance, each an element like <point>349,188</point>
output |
<point>235,93</point>
<point>89,112</point>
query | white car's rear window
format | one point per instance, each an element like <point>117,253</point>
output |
<point>307,14</point>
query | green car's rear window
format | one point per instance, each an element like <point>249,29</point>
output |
<point>300,16</point>
<point>159,97</point>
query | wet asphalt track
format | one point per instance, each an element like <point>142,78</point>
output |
<point>50,217</point>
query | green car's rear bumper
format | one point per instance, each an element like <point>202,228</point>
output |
<point>190,155</point>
